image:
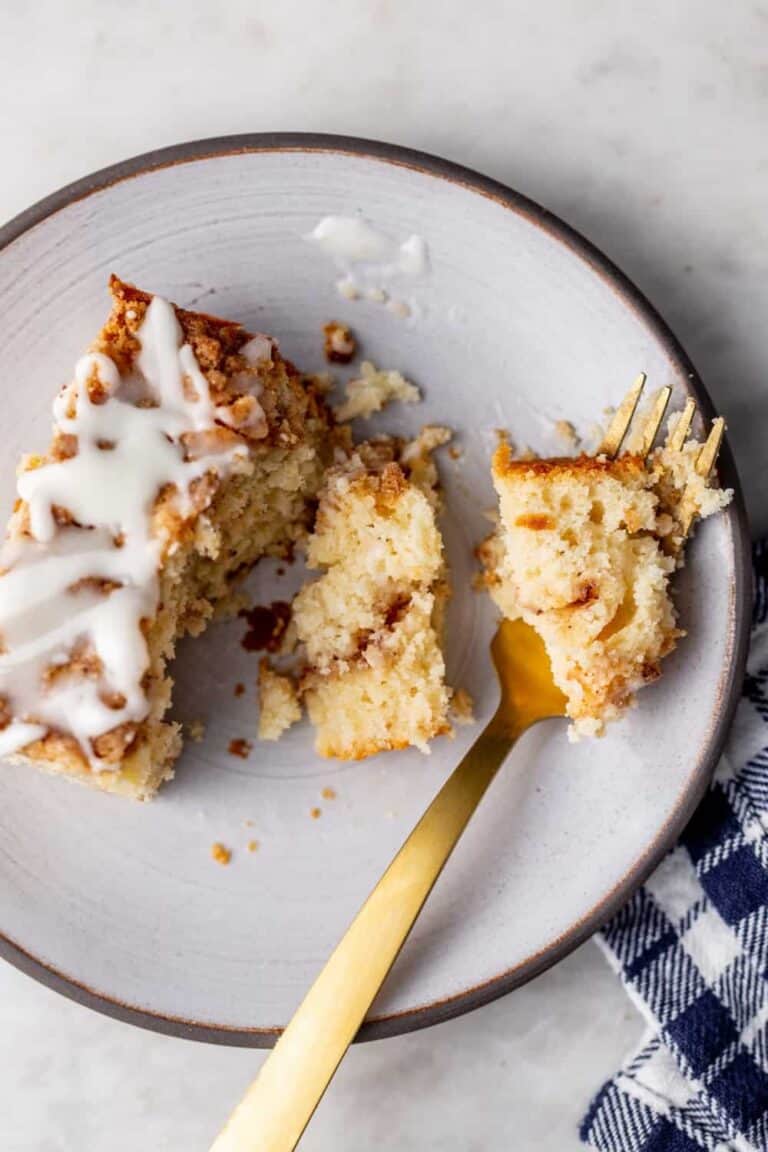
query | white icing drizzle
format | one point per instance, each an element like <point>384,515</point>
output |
<point>351,239</point>
<point>367,258</point>
<point>127,452</point>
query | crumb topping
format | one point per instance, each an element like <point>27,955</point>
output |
<point>339,344</point>
<point>240,747</point>
<point>267,625</point>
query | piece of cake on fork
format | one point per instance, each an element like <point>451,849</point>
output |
<point>184,449</point>
<point>584,553</point>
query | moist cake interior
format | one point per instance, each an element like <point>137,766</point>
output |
<point>371,624</point>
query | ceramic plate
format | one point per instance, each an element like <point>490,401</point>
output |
<point>515,322</point>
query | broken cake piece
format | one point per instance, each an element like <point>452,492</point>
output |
<point>339,343</point>
<point>279,706</point>
<point>373,390</point>
<point>584,553</point>
<point>184,449</point>
<point>371,624</point>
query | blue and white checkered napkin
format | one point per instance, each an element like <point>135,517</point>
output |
<point>692,950</point>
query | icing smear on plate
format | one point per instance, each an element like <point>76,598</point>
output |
<point>368,260</point>
<point>74,593</point>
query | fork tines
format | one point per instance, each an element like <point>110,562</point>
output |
<point>622,419</point>
<point>641,439</point>
<point>705,461</point>
<point>679,430</point>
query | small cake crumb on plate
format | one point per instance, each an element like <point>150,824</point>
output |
<point>567,434</point>
<point>267,624</point>
<point>196,731</point>
<point>240,747</point>
<point>372,391</point>
<point>348,289</point>
<point>220,853</point>
<point>339,343</point>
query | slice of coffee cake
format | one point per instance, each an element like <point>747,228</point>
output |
<point>184,449</point>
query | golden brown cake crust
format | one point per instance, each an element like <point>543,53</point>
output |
<point>505,464</point>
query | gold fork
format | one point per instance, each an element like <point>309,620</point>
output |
<point>279,1104</point>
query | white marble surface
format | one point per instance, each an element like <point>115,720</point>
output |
<point>644,126</point>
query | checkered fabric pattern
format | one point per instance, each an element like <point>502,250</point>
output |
<point>692,950</point>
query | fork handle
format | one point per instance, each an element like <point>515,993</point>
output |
<point>277,1107</point>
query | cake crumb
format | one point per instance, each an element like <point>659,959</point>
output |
<point>220,853</point>
<point>455,452</point>
<point>567,434</point>
<point>348,289</point>
<point>315,813</point>
<point>339,344</point>
<point>239,689</point>
<point>240,747</point>
<point>417,457</point>
<point>328,793</point>
<point>463,707</point>
<point>399,308</point>
<point>196,731</point>
<point>373,390</point>
<point>247,823</point>
<point>279,706</point>
<point>266,626</point>
<point>253,845</point>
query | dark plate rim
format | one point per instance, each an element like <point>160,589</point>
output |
<point>731,680</point>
